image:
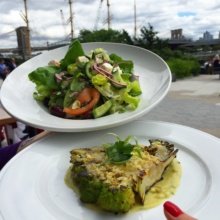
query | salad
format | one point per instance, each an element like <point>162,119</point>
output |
<point>83,86</point>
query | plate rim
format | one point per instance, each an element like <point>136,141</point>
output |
<point>200,133</point>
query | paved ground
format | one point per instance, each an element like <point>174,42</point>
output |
<point>194,102</point>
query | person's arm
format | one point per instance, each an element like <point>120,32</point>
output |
<point>173,212</point>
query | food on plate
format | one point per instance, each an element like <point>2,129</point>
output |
<point>83,86</point>
<point>117,176</point>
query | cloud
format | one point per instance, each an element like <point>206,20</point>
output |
<point>194,17</point>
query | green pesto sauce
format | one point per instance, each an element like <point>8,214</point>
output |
<point>161,191</point>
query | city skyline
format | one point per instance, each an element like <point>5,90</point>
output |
<point>47,24</point>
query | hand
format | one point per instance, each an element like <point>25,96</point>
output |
<point>173,212</point>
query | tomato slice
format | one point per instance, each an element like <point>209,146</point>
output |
<point>89,97</point>
<point>84,96</point>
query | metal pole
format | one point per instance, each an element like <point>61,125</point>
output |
<point>109,17</point>
<point>135,20</point>
<point>71,19</point>
<point>26,14</point>
<point>27,47</point>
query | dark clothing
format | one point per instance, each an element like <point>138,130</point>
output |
<point>216,63</point>
<point>10,66</point>
<point>3,71</point>
<point>6,153</point>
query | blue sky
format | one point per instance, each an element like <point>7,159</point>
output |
<point>186,13</point>
<point>193,16</point>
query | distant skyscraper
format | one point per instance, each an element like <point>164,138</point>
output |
<point>207,36</point>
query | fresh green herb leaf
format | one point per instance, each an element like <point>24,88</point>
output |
<point>120,151</point>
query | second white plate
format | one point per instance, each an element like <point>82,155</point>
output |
<point>32,184</point>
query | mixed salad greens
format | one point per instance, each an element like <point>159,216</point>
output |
<point>83,86</point>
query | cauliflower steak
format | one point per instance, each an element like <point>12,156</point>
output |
<point>117,176</point>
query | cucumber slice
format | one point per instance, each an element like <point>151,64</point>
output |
<point>88,69</point>
<point>102,109</point>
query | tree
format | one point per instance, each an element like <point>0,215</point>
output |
<point>148,37</point>
<point>105,36</point>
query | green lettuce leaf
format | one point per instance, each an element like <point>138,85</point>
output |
<point>77,85</point>
<point>75,50</point>
<point>126,66</point>
<point>44,78</point>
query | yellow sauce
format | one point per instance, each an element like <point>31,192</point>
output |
<point>69,181</point>
<point>161,191</point>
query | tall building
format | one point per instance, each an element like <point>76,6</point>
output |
<point>23,39</point>
<point>207,36</point>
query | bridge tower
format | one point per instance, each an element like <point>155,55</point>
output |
<point>177,34</point>
<point>23,39</point>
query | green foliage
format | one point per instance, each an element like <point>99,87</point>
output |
<point>195,66</point>
<point>216,47</point>
<point>105,36</point>
<point>183,67</point>
<point>166,53</point>
<point>148,38</point>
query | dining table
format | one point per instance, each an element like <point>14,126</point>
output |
<point>5,118</point>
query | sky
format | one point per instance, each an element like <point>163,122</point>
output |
<point>47,25</point>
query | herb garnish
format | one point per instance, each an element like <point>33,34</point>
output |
<point>122,150</point>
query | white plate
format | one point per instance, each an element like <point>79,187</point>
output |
<point>17,90</point>
<point>32,183</point>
